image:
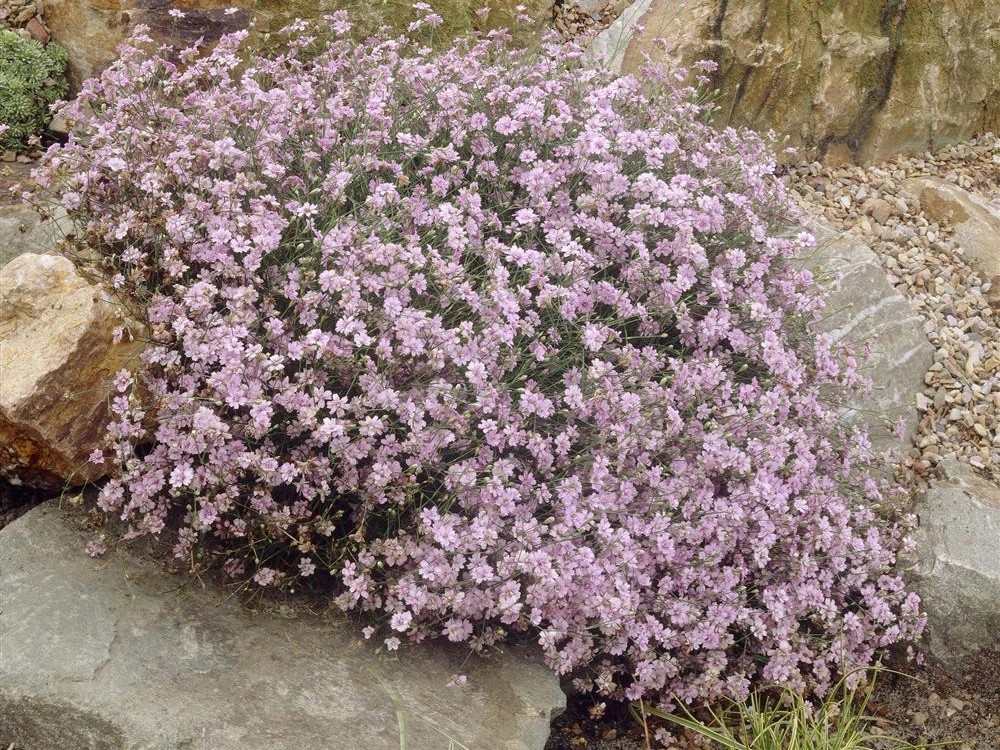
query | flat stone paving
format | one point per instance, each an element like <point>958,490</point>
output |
<point>114,654</point>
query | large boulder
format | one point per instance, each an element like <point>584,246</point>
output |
<point>866,312</point>
<point>856,79</point>
<point>100,656</point>
<point>976,222</point>
<point>91,30</point>
<point>958,544</point>
<point>58,359</point>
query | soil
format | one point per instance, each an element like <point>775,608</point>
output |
<point>16,500</point>
<point>929,705</point>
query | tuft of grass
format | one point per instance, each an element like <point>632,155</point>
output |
<point>787,720</point>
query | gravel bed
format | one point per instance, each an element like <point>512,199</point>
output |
<point>928,706</point>
<point>577,19</point>
<point>960,405</point>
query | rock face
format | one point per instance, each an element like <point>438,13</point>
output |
<point>23,231</point>
<point>958,544</point>
<point>863,308</point>
<point>94,660</point>
<point>57,363</point>
<point>91,30</point>
<point>613,42</point>
<point>856,79</point>
<point>976,223</point>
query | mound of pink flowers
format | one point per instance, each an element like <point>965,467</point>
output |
<point>496,343</point>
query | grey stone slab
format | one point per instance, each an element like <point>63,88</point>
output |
<point>958,549</point>
<point>116,654</point>
<point>863,307</point>
<point>23,231</point>
<point>610,45</point>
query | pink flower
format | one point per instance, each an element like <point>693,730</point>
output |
<point>594,337</point>
<point>401,621</point>
<point>264,577</point>
<point>306,567</point>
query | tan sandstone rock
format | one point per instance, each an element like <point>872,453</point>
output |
<point>976,222</point>
<point>57,363</point>
<point>91,30</point>
<point>858,78</point>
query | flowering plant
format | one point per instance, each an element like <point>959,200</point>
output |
<point>500,342</point>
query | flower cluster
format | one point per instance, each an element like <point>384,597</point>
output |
<point>498,342</point>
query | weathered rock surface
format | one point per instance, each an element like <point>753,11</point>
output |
<point>57,363</point>
<point>91,30</point>
<point>613,42</point>
<point>863,309</point>
<point>958,544</point>
<point>100,655</point>
<point>975,222</point>
<point>858,79</point>
<point>23,231</point>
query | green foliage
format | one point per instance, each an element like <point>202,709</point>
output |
<point>32,77</point>
<point>788,721</point>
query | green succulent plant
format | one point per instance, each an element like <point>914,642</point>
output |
<point>32,77</point>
